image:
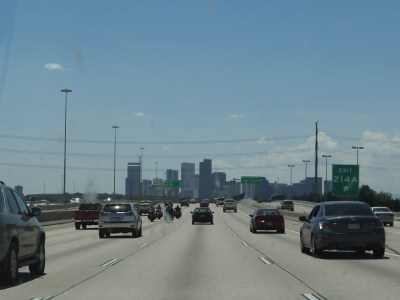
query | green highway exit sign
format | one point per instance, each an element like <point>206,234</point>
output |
<point>251,179</point>
<point>172,183</point>
<point>345,180</point>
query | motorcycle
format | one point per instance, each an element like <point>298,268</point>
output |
<point>169,213</point>
<point>177,213</point>
<point>151,215</point>
<point>159,213</point>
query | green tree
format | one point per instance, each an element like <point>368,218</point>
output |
<point>367,195</point>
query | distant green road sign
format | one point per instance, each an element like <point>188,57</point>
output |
<point>251,179</point>
<point>172,183</point>
<point>345,180</point>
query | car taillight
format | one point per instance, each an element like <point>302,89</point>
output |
<point>379,224</point>
<point>259,219</point>
<point>324,225</point>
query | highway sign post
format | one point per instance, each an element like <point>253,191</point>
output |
<point>345,180</point>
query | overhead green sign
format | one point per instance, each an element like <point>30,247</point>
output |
<point>251,179</point>
<point>172,183</point>
<point>345,180</point>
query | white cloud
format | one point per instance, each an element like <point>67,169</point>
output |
<point>236,116</point>
<point>262,140</point>
<point>139,114</point>
<point>53,67</point>
<point>221,165</point>
<point>166,148</point>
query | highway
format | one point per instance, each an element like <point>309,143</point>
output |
<point>178,260</point>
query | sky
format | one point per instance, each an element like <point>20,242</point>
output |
<point>243,83</point>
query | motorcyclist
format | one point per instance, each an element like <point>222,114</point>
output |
<point>178,208</point>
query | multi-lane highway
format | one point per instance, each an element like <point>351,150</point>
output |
<point>178,260</point>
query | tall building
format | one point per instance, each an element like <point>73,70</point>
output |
<point>132,182</point>
<point>187,171</point>
<point>205,179</point>
<point>188,188</point>
<point>219,181</point>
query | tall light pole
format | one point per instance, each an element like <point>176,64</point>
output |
<point>305,179</point>
<point>358,148</point>
<point>326,171</point>
<point>156,169</point>
<point>141,172</point>
<point>115,151</point>
<point>66,91</point>
<point>291,169</point>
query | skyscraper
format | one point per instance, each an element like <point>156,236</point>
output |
<point>132,182</point>
<point>205,179</point>
<point>172,175</point>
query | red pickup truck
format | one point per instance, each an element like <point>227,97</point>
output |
<point>87,214</point>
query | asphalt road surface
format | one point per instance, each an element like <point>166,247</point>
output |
<point>178,260</point>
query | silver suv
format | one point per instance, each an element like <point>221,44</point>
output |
<point>230,204</point>
<point>119,218</point>
<point>22,238</point>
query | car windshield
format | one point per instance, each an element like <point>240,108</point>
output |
<point>339,209</point>
<point>202,210</point>
<point>381,209</point>
<point>117,208</point>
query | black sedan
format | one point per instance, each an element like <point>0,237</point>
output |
<point>202,215</point>
<point>342,225</point>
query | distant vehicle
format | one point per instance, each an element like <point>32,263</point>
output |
<point>202,215</point>
<point>342,225</point>
<point>184,202</point>
<point>119,218</point>
<point>193,201</point>
<point>220,201</point>
<point>205,203</point>
<point>43,202</point>
<point>29,203</point>
<point>385,214</point>
<point>287,204</point>
<point>75,200</point>
<point>144,207</point>
<point>267,219</point>
<point>87,214</point>
<point>22,238</point>
<point>229,204</point>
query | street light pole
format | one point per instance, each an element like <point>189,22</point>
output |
<point>305,180</point>
<point>326,171</point>
<point>115,150</point>
<point>141,172</point>
<point>358,148</point>
<point>156,170</point>
<point>66,91</point>
<point>291,169</point>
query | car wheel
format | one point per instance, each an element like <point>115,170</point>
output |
<point>314,250</point>
<point>379,252</point>
<point>303,248</point>
<point>84,226</point>
<point>11,270</point>
<point>192,222</point>
<point>281,231</point>
<point>135,233</point>
<point>235,210</point>
<point>140,232</point>
<point>37,268</point>
<point>101,234</point>
<point>391,224</point>
<point>77,226</point>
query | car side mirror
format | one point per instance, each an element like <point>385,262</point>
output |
<point>303,218</point>
<point>250,216</point>
<point>36,211</point>
<point>191,212</point>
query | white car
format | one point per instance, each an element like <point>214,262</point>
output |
<point>384,213</point>
<point>43,202</point>
<point>75,200</point>
<point>119,218</point>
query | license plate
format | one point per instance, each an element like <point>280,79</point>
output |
<point>353,226</point>
<point>270,223</point>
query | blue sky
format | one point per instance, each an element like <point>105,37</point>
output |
<point>239,82</point>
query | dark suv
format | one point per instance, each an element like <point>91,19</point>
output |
<point>22,238</point>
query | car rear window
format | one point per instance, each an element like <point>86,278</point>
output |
<point>90,206</point>
<point>117,208</point>
<point>381,209</point>
<point>202,210</point>
<point>263,212</point>
<point>348,209</point>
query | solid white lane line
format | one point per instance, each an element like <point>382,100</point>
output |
<point>265,260</point>
<point>111,262</point>
<point>245,244</point>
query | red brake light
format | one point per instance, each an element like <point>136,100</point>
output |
<point>324,225</point>
<point>379,224</point>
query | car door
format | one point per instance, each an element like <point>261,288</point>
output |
<point>309,224</point>
<point>21,222</point>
